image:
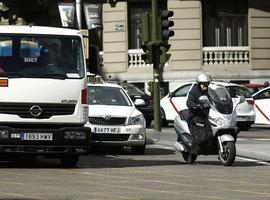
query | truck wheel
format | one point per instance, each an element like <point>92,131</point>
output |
<point>69,160</point>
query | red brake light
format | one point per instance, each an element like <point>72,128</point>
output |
<point>84,96</point>
<point>250,102</point>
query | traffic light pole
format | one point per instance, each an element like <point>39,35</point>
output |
<point>156,92</point>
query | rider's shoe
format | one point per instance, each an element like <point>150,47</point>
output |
<point>179,147</point>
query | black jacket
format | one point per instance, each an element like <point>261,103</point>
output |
<point>194,104</point>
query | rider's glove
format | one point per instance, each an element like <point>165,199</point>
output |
<point>206,106</point>
<point>197,107</point>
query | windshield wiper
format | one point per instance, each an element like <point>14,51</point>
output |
<point>53,76</point>
<point>11,75</point>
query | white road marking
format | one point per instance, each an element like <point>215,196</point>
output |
<point>253,160</point>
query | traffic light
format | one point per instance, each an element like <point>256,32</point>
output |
<point>163,55</point>
<point>147,56</point>
<point>166,33</point>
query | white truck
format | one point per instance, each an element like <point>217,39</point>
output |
<point>43,93</point>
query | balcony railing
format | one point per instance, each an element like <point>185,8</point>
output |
<point>211,56</point>
<point>135,58</point>
<point>225,55</point>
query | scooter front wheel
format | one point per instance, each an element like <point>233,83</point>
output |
<point>229,152</point>
<point>187,159</point>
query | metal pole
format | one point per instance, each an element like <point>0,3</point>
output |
<point>79,13</point>
<point>157,125</point>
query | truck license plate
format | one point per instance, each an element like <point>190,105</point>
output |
<point>37,136</point>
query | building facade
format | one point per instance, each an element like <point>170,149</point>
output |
<point>230,39</point>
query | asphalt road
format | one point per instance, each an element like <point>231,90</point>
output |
<point>159,174</point>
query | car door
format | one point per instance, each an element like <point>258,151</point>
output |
<point>262,104</point>
<point>178,100</point>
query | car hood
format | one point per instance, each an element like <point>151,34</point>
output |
<point>101,110</point>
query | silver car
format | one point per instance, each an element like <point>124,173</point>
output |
<point>114,119</point>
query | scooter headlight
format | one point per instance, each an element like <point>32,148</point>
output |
<point>219,121</point>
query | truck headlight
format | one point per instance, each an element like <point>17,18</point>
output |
<point>4,134</point>
<point>137,120</point>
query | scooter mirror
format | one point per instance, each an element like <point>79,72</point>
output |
<point>204,99</point>
<point>241,99</point>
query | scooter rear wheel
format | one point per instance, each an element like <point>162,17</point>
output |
<point>229,152</point>
<point>186,157</point>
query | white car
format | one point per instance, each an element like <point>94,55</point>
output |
<point>262,105</point>
<point>114,119</point>
<point>175,101</point>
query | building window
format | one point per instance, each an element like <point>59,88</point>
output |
<point>225,22</point>
<point>135,10</point>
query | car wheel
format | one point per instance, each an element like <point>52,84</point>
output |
<point>244,126</point>
<point>138,150</point>
<point>163,117</point>
<point>148,122</point>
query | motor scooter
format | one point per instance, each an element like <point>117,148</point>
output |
<point>222,117</point>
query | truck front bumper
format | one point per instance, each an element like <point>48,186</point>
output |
<point>64,140</point>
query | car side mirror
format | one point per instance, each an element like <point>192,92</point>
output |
<point>170,94</point>
<point>139,102</point>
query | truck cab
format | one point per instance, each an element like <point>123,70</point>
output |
<point>43,101</point>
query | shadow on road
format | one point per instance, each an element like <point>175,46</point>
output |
<point>120,158</point>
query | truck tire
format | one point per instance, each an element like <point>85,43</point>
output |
<point>69,160</point>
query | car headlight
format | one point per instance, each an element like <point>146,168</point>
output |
<point>137,120</point>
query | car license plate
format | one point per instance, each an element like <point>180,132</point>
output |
<point>106,130</point>
<point>37,136</point>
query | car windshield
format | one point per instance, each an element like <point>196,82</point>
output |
<point>35,56</point>
<point>132,89</point>
<point>101,95</point>
<point>221,98</point>
<point>236,91</point>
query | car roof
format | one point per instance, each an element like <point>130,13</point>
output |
<point>223,83</point>
<point>253,85</point>
<point>105,84</point>
<point>262,90</point>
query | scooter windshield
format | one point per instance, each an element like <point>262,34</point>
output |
<point>220,98</point>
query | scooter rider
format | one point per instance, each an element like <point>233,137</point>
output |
<point>198,123</point>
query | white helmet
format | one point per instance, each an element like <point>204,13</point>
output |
<point>203,78</point>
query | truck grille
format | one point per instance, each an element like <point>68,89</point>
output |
<point>47,110</point>
<point>111,121</point>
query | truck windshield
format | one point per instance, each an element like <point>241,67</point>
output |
<point>41,57</point>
